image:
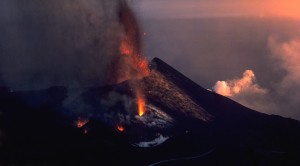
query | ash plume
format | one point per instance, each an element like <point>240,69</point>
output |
<point>63,43</point>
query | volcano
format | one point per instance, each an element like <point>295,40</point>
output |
<point>182,124</point>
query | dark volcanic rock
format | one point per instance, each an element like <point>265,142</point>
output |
<point>196,126</point>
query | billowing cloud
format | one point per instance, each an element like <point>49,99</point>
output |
<point>246,91</point>
<point>247,84</point>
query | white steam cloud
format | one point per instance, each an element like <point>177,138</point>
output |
<point>247,84</point>
<point>282,96</point>
<point>246,91</point>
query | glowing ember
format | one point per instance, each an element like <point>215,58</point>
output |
<point>137,62</point>
<point>143,66</point>
<point>126,48</point>
<point>120,128</point>
<point>81,122</point>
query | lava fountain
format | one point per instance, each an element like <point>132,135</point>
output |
<point>140,103</point>
<point>130,48</point>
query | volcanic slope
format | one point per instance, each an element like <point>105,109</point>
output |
<point>193,126</point>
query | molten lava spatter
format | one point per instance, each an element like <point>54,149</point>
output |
<point>130,46</point>
<point>136,63</point>
<point>140,104</point>
<point>141,66</point>
<point>141,107</point>
<point>126,48</point>
<point>81,122</point>
<point>120,128</point>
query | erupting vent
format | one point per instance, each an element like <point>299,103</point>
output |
<point>136,65</point>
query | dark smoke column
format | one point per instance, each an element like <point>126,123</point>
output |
<point>131,64</point>
<point>130,25</point>
<point>70,43</point>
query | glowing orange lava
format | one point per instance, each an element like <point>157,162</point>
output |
<point>120,128</point>
<point>126,48</point>
<point>139,64</point>
<point>81,122</point>
<point>140,104</point>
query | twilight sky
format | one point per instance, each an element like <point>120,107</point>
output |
<point>204,8</point>
<point>247,50</point>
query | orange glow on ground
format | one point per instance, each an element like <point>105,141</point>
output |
<point>81,122</point>
<point>120,128</point>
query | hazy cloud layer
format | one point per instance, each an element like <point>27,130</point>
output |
<point>286,54</point>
